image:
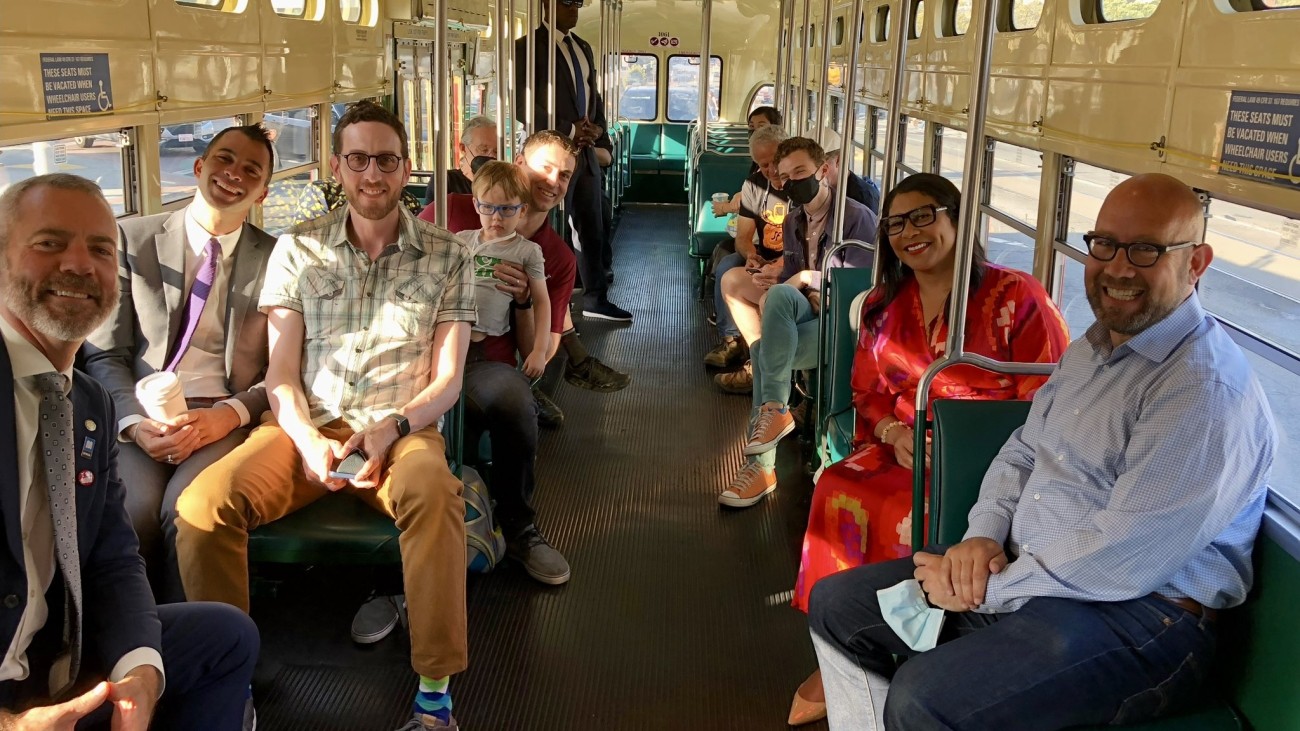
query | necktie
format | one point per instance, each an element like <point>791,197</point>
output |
<point>198,300</point>
<point>55,443</point>
<point>578,79</point>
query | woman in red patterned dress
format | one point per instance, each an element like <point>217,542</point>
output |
<point>862,506</point>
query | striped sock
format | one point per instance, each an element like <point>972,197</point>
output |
<point>433,698</point>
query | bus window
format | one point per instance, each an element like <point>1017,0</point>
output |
<point>764,97</point>
<point>290,8</point>
<point>639,79</point>
<point>952,154</point>
<point>101,157</point>
<point>281,208</point>
<point>178,145</point>
<point>918,19</point>
<point>960,18</point>
<point>684,87</point>
<point>1113,10</point>
<point>359,12</point>
<point>1013,186</point>
<point>913,160</point>
<point>1025,14</point>
<point>882,24</point>
<point>861,140</point>
<point>879,118</point>
<point>294,133</point>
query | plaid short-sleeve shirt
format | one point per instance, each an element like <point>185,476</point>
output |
<point>369,325</point>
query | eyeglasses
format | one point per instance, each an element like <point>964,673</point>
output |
<point>1140,253</point>
<point>571,3</point>
<point>359,161</point>
<point>920,218</point>
<point>491,209</point>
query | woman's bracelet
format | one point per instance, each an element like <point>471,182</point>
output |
<point>884,433</point>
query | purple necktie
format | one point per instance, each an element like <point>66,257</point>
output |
<point>198,300</point>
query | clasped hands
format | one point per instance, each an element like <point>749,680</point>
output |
<point>957,580</point>
<point>175,440</point>
<point>586,132</point>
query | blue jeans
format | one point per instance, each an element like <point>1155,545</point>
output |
<point>1052,664</point>
<point>499,401</point>
<point>789,343</point>
<point>726,323</point>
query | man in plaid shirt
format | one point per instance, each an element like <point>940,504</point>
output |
<point>369,312</point>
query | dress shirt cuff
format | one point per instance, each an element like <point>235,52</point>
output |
<point>239,408</point>
<point>988,525</point>
<point>125,423</point>
<point>134,659</point>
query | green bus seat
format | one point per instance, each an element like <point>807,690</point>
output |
<point>835,418</point>
<point>643,146</point>
<point>715,173</point>
<point>340,528</point>
<point>1258,642</point>
<point>673,149</point>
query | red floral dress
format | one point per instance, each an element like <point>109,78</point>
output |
<point>862,505</point>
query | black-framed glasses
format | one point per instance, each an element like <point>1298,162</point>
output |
<point>571,3</point>
<point>490,209</point>
<point>1140,253</point>
<point>920,218</point>
<point>359,161</point>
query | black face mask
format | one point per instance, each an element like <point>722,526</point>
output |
<point>479,161</point>
<point>803,190</point>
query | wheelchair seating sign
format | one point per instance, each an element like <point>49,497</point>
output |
<point>76,83</point>
<point>1261,140</point>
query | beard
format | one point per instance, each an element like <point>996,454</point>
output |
<point>1126,323</point>
<point>31,302</point>
<point>371,209</point>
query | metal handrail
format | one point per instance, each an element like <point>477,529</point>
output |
<point>823,393</point>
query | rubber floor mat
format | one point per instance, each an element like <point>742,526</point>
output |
<point>333,698</point>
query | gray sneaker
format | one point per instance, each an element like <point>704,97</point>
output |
<point>539,558</point>
<point>377,618</point>
<point>423,722</point>
<point>250,714</point>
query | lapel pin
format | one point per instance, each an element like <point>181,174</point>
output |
<point>90,425</point>
<point>87,448</point>
<point>85,478</point>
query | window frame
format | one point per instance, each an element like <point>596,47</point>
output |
<point>1006,21</point>
<point>880,27</point>
<point>624,89</point>
<point>1095,13</point>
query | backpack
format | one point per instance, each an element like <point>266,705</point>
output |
<point>485,546</point>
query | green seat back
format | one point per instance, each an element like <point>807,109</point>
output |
<point>835,425</point>
<point>967,436</point>
<point>672,148</point>
<point>715,173</point>
<point>643,146</point>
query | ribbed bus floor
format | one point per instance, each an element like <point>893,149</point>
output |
<point>677,616</point>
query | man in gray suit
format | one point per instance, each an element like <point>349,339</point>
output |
<point>189,286</point>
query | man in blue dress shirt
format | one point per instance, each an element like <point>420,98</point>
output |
<point>1109,529</point>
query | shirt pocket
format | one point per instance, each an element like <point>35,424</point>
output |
<point>320,284</point>
<point>417,300</point>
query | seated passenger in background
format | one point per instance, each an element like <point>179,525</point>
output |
<point>1108,530</point>
<point>323,196</point>
<point>782,307</point>
<point>369,312</point>
<point>184,309</point>
<point>759,239</point>
<point>478,139</point>
<point>497,397</point>
<point>1009,317</point>
<point>860,189</point>
<point>83,640</point>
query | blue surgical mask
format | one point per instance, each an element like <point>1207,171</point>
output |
<point>907,613</point>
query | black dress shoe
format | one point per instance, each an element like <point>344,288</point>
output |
<point>549,414</point>
<point>603,309</point>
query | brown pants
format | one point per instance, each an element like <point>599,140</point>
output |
<point>263,480</point>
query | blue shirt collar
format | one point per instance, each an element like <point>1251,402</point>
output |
<point>1157,341</point>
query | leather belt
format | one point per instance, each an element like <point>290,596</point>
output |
<point>1191,605</point>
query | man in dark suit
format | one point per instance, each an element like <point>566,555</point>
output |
<point>580,114</point>
<point>216,343</point>
<point>83,639</point>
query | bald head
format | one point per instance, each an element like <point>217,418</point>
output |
<point>1162,202</point>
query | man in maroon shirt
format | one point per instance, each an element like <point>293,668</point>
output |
<point>497,395</point>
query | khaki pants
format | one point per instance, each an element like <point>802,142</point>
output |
<point>263,480</point>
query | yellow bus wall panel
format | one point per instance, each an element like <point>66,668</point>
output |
<point>117,20</point>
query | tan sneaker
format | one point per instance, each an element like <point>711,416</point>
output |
<point>750,485</point>
<point>774,421</point>
<point>741,381</point>
<point>730,352</point>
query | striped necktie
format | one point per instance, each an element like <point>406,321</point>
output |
<point>198,300</point>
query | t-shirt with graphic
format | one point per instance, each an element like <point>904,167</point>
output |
<point>767,207</point>
<point>493,304</point>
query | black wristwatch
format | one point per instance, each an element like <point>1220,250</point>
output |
<point>526,305</point>
<point>403,426</point>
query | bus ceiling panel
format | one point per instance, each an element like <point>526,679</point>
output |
<point>1240,40</point>
<point>748,28</point>
<point>123,20</point>
<point>129,86</point>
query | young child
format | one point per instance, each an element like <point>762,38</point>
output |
<point>500,190</point>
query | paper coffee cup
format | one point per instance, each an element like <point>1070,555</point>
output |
<point>161,396</point>
<point>721,197</point>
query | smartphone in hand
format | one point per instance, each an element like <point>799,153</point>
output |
<point>350,466</point>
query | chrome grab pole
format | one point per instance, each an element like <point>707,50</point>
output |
<point>782,56</point>
<point>898,69</point>
<point>442,113</point>
<point>702,123</point>
<point>507,131</point>
<point>819,114</point>
<point>983,21</point>
<point>502,63</point>
<point>530,68</point>
<point>799,103</point>
<point>846,138</point>
<point>551,75</point>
